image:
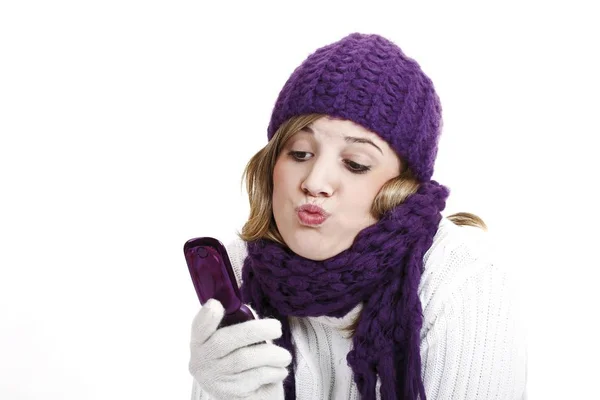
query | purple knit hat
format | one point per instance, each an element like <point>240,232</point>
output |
<point>367,79</point>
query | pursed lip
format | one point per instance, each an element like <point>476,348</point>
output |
<point>313,209</point>
<point>311,215</point>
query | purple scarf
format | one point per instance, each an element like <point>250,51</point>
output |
<point>382,269</point>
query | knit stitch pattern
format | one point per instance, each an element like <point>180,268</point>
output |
<point>369,80</point>
<point>382,269</point>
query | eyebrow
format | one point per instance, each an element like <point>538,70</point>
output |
<point>349,139</point>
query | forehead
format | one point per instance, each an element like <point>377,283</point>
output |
<point>342,127</point>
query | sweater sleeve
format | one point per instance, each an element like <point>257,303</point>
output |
<point>237,253</point>
<point>474,348</point>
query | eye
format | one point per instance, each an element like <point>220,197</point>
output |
<point>357,168</point>
<point>299,155</point>
<point>352,166</point>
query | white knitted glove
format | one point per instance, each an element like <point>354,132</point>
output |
<point>232,362</point>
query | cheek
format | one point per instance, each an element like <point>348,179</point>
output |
<point>278,177</point>
<point>284,175</point>
<point>364,194</point>
<point>360,201</point>
<point>282,180</point>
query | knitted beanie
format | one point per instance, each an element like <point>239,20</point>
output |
<point>367,79</point>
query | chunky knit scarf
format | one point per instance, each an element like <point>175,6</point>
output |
<point>382,269</point>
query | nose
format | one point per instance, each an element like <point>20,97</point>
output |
<point>319,181</point>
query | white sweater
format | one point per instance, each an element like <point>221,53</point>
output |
<point>472,339</point>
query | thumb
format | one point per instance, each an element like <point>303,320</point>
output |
<point>207,321</point>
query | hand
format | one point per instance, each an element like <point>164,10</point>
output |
<point>234,362</point>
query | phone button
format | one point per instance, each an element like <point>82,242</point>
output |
<point>201,252</point>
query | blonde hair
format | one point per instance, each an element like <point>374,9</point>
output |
<point>258,175</point>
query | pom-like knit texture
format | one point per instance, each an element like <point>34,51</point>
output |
<point>368,79</point>
<point>382,269</point>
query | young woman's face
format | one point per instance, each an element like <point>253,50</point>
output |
<point>338,166</point>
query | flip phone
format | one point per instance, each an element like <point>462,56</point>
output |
<point>213,277</point>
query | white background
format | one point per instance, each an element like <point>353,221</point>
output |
<point>125,127</point>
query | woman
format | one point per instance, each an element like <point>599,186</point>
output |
<point>361,288</point>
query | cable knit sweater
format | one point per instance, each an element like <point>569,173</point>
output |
<point>472,339</point>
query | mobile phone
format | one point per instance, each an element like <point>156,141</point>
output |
<point>213,277</point>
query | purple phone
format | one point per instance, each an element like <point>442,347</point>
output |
<point>213,277</point>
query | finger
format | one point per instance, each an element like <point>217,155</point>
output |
<point>269,392</point>
<point>233,337</point>
<point>247,382</point>
<point>206,321</point>
<point>261,355</point>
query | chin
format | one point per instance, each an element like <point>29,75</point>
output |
<point>312,245</point>
<point>311,255</point>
